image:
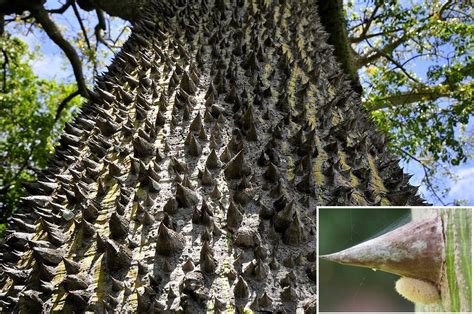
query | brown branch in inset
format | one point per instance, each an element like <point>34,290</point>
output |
<point>41,16</point>
<point>425,170</point>
<point>63,104</point>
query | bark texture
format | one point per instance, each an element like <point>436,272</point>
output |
<point>190,180</point>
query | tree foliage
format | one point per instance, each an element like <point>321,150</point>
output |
<point>28,124</point>
<point>417,62</point>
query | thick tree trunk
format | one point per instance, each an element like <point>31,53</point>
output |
<point>191,178</point>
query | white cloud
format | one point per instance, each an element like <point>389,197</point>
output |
<point>463,188</point>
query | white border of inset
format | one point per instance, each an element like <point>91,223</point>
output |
<point>382,207</point>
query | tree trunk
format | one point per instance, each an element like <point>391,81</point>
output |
<point>190,180</point>
<point>456,282</point>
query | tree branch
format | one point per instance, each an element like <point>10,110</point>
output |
<point>125,9</point>
<point>86,38</point>
<point>42,17</point>
<point>81,24</point>
<point>358,39</point>
<point>426,93</point>
<point>63,8</point>
<point>397,65</point>
<point>5,65</point>
<point>369,21</point>
<point>401,68</point>
<point>101,26</point>
<point>64,103</point>
<point>376,53</point>
<point>118,36</point>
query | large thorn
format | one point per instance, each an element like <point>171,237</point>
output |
<point>414,250</point>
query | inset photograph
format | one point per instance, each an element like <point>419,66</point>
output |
<point>394,259</point>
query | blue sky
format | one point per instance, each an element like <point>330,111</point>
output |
<point>54,66</point>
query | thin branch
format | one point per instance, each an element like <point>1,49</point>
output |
<point>119,35</point>
<point>401,68</point>
<point>411,97</point>
<point>63,8</point>
<point>86,37</point>
<point>101,26</point>
<point>364,21</point>
<point>64,103</point>
<point>358,39</point>
<point>81,24</point>
<point>5,65</point>
<point>426,171</point>
<point>369,21</point>
<point>42,17</point>
<point>416,57</point>
<point>397,65</point>
<point>376,53</point>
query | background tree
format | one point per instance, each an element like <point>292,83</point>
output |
<point>34,110</point>
<point>28,122</point>
<point>416,66</point>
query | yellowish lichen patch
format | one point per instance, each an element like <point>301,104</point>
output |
<point>289,169</point>
<point>358,199</point>
<point>318,164</point>
<point>345,167</point>
<point>100,277</point>
<point>375,182</point>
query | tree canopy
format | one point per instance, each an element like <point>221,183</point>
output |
<point>417,67</point>
<point>28,122</point>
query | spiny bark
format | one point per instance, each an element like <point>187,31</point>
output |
<point>190,179</point>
